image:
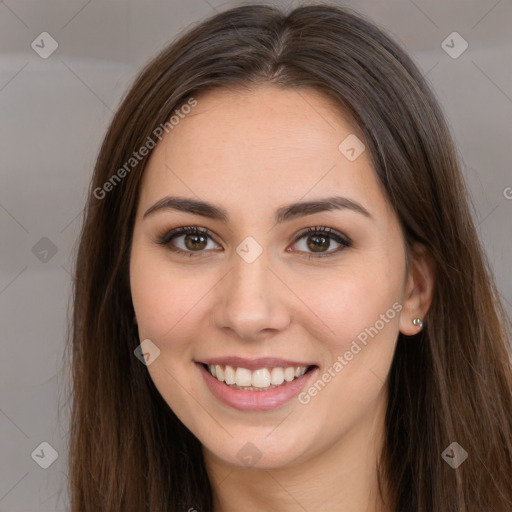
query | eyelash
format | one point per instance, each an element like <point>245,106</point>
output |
<point>343,240</point>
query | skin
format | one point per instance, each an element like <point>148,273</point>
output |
<point>252,152</point>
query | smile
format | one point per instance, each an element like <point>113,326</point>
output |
<point>262,379</point>
<point>263,387</point>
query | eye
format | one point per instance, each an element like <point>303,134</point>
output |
<point>319,238</point>
<point>194,240</point>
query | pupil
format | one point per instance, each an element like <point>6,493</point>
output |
<point>317,244</point>
<point>194,241</point>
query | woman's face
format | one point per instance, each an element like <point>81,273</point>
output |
<point>258,292</point>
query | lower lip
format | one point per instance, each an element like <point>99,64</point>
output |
<point>255,400</point>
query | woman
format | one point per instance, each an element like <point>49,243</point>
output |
<point>281,302</point>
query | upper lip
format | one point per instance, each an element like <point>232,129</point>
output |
<point>254,364</point>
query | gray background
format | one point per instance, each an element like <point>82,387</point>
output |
<point>54,113</point>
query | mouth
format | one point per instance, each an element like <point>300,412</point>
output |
<point>261,379</point>
<point>258,389</point>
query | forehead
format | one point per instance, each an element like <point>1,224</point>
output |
<point>269,142</point>
<point>248,118</point>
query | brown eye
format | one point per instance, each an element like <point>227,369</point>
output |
<point>187,240</point>
<point>195,242</point>
<point>319,241</point>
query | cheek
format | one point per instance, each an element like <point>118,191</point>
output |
<point>168,305</point>
<point>347,305</point>
<point>163,297</point>
<point>360,321</point>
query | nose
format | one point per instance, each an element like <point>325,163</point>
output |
<point>250,301</point>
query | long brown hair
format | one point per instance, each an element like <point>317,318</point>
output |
<point>450,383</point>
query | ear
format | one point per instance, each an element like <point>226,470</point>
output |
<point>418,289</point>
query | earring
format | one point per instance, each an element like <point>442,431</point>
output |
<point>418,322</point>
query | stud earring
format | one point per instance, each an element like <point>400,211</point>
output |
<point>417,322</point>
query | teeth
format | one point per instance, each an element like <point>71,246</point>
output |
<point>229,375</point>
<point>289,374</point>
<point>243,377</point>
<point>260,379</point>
<point>277,376</point>
<point>300,370</point>
<point>218,372</point>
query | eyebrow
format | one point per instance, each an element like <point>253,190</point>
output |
<point>283,214</point>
